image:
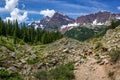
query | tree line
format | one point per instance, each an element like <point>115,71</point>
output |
<point>27,34</point>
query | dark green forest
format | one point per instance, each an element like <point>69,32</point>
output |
<point>83,33</point>
<point>27,34</point>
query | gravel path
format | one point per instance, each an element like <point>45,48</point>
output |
<point>91,71</point>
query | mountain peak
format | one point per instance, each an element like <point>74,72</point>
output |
<point>102,17</point>
<point>103,11</point>
<point>61,13</point>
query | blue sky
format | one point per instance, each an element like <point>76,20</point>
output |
<point>72,8</point>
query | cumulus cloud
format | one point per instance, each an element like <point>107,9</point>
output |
<point>47,12</point>
<point>15,13</point>
<point>118,7</point>
<point>11,4</point>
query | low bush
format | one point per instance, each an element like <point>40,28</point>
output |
<point>43,75</point>
<point>115,55</point>
<point>61,72</point>
<point>6,75</point>
<point>110,74</point>
<point>10,47</point>
<point>29,61</point>
<point>98,45</point>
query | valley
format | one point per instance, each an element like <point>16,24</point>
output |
<point>61,48</point>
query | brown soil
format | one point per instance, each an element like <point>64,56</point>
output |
<point>91,71</point>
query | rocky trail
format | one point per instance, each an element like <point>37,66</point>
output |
<point>90,70</point>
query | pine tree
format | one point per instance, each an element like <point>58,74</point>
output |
<point>15,35</point>
<point>112,26</point>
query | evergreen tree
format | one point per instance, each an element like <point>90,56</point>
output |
<point>27,34</point>
<point>15,32</point>
<point>112,26</point>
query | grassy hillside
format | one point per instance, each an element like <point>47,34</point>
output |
<point>84,33</point>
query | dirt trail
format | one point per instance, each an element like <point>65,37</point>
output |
<point>91,71</point>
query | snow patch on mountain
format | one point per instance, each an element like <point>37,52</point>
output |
<point>61,13</point>
<point>37,21</point>
<point>69,25</point>
<point>96,23</point>
<point>118,17</point>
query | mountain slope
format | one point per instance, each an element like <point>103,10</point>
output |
<point>100,18</point>
<point>83,33</point>
<point>63,23</point>
<point>57,21</point>
<point>54,23</point>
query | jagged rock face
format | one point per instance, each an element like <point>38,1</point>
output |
<point>54,23</point>
<point>41,23</point>
<point>100,17</point>
<point>57,21</point>
<point>45,20</point>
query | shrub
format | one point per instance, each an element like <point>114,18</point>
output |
<point>8,46</point>
<point>61,72</point>
<point>15,76</point>
<point>98,45</point>
<point>110,74</point>
<point>115,55</point>
<point>42,75</point>
<point>11,48</point>
<point>97,56</point>
<point>70,65</point>
<point>33,61</point>
<point>6,75</point>
<point>2,64</point>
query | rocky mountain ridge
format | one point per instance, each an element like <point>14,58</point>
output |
<point>100,18</point>
<point>53,23</point>
<point>61,22</point>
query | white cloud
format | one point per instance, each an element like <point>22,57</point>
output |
<point>47,12</point>
<point>15,13</point>
<point>118,7</point>
<point>11,4</point>
<point>31,11</point>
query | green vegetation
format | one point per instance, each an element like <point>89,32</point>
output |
<point>6,75</point>
<point>7,43</point>
<point>115,55</point>
<point>29,61</point>
<point>27,34</point>
<point>110,74</point>
<point>61,72</point>
<point>80,33</point>
<point>83,33</point>
<point>114,24</point>
<point>98,45</point>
